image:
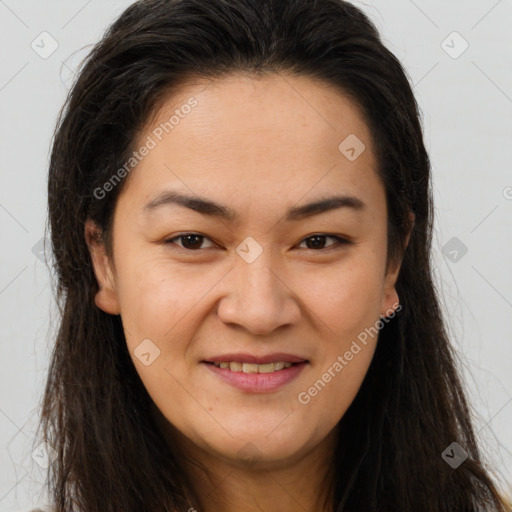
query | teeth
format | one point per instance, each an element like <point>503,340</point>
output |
<point>267,368</point>
<point>236,367</point>
<point>254,368</point>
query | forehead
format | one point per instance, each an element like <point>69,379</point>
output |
<point>275,136</point>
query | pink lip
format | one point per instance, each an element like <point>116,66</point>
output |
<point>249,358</point>
<point>258,382</point>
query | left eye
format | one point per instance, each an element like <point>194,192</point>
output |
<point>192,241</point>
<point>320,240</point>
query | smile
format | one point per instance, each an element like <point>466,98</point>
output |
<point>256,378</point>
<point>253,368</point>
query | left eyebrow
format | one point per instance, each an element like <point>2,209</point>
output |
<point>207,207</point>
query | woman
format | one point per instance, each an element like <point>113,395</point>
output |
<point>241,217</point>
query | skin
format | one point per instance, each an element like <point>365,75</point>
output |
<point>258,146</point>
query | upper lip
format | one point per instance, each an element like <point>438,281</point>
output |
<point>249,358</point>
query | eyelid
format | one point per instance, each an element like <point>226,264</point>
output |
<point>340,241</point>
<point>169,241</point>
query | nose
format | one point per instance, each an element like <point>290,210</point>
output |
<point>258,297</point>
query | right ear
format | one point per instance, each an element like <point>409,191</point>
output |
<point>106,297</point>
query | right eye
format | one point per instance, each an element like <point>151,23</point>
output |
<point>191,241</point>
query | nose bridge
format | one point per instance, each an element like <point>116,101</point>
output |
<point>258,278</point>
<point>256,297</point>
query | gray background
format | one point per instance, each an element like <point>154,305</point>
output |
<point>466,100</point>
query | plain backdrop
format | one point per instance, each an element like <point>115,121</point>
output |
<point>458,56</point>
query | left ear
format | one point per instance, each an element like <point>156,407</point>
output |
<point>390,299</point>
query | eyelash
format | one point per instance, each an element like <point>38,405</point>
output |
<point>339,241</point>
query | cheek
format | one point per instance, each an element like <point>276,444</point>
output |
<point>348,305</point>
<point>155,297</point>
<point>158,304</point>
<point>347,299</point>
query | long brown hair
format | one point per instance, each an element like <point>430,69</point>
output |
<point>96,411</point>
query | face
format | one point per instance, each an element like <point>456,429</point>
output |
<point>243,271</point>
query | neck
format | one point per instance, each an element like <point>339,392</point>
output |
<point>304,484</point>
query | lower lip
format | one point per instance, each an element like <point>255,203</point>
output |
<point>258,382</point>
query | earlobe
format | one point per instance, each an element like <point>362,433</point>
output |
<point>106,297</point>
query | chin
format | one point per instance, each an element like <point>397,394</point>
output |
<point>258,448</point>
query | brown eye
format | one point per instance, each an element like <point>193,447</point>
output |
<point>191,241</point>
<point>194,241</point>
<point>317,242</point>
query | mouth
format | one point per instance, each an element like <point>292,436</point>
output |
<point>235,366</point>
<point>256,374</point>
